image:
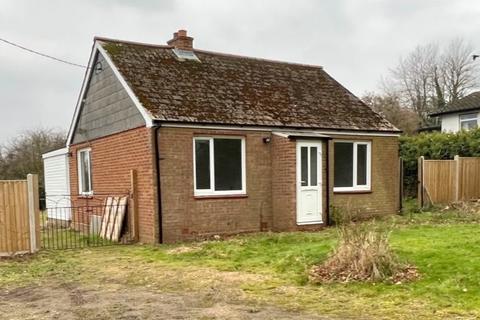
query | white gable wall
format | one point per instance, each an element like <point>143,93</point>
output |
<point>57,184</point>
<point>450,122</point>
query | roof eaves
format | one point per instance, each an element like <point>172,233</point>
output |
<point>436,114</point>
<point>301,134</point>
<point>159,122</point>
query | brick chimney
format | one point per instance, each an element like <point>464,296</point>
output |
<point>181,40</point>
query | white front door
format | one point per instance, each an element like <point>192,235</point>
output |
<point>309,182</point>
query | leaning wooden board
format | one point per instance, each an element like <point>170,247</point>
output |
<point>113,216</point>
<point>106,217</point>
<point>120,216</point>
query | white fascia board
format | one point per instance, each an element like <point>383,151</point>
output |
<point>300,134</point>
<point>146,116</point>
<point>55,153</point>
<point>281,131</point>
<point>88,73</point>
<point>97,48</point>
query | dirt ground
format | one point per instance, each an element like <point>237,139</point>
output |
<point>69,301</point>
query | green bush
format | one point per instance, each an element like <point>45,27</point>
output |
<point>436,145</point>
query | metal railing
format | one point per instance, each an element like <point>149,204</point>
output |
<point>79,221</point>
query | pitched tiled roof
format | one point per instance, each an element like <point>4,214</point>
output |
<point>234,90</point>
<point>470,102</point>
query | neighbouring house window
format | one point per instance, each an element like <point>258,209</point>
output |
<point>468,121</point>
<point>351,166</point>
<point>84,171</point>
<point>219,165</point>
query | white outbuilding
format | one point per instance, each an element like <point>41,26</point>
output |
<point>57,184</point>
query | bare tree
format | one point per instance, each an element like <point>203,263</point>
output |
<point>23,155</point>
<point>390,107</point>
<point>460,71</point>
<point>430,77</point>
<point>412,79</point>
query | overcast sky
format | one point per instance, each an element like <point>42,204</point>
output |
<point>355,41</point>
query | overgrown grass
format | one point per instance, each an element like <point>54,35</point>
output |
<point>442,244</point>
<point>285,255</point>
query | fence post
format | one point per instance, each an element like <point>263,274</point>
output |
<point>134,204</point>
<point>33,212</point>
<point>457,178</point>
<point>400,165</point>
<point>420,181</point>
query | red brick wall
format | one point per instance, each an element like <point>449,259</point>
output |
<point>187,217</point>
<point>270,203</point>
<point>271,186</point>
<point>384,196</point>
<point>284,185</point>
<point>112,159</point>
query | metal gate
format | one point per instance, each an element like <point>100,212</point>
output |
<point>78,221</point>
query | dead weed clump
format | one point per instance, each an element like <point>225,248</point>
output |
<point>363,253</point>
<point>469,209</point>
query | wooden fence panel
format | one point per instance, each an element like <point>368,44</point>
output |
<point>446,181</point>
<point>469,178</point>
<point>16,216</point>
<point>439,178</point>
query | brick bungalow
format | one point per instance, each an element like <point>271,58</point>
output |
<point>224,143</point>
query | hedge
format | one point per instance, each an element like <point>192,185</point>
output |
<point>436,145</point>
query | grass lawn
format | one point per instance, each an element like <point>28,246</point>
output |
<point>269,270</point>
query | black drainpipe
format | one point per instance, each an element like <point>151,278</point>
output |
<point>328,180</point>
<point>156,126</point>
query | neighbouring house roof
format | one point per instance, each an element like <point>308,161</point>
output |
<point>468,103</point>
<point>430,128</point>
<point>234,90</point>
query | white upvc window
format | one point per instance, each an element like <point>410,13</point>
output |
<point>219,166</point>
<point>84,164</point>
<point>352,166</point>
<point>468,121</point>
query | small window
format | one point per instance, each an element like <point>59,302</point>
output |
<point>219,165</point>
<point>351,166</point>
<point>84,172</point>
<point>468,121</point>
<point>183,55</point>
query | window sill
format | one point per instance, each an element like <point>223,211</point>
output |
<point>220,196</point>
<point>352,191</point>
<point>86,196</point>
<point>310,223</point>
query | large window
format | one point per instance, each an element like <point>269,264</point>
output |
<point>468,121</point>
<point>84,172</point>
<point>351,166</point>
<point>219,165</point>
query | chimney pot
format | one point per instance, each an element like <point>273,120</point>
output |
<point>181,41</point>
